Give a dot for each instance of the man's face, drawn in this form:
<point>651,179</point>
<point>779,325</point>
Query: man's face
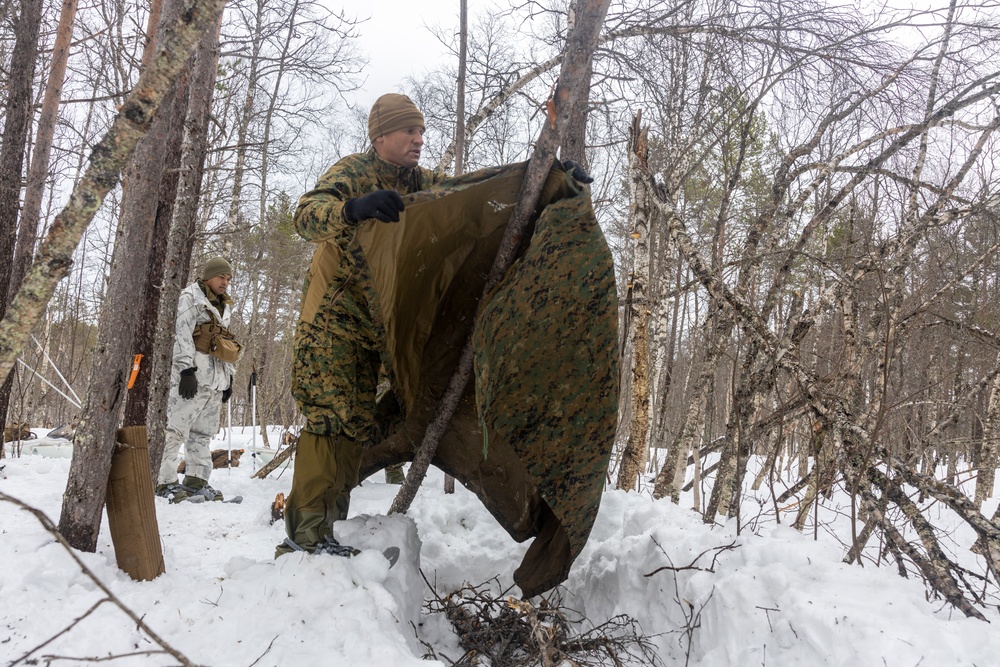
<point>401,147</point>
<point>219,284</point>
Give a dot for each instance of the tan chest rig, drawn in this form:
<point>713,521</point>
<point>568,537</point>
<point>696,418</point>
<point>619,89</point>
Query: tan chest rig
<point>215,340</point>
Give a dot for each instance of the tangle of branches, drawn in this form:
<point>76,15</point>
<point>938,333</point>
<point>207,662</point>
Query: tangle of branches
<point>503,631</point>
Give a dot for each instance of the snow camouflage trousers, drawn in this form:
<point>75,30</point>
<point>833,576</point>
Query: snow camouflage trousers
<point>191,422</point>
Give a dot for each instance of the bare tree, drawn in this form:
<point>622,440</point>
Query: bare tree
<point>84,499</point>
<point>17,124</point>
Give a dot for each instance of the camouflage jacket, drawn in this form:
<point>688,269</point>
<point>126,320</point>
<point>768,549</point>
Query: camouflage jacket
<point>194,308</point>
<point>333,301</point>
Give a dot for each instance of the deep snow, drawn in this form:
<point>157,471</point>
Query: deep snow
<point>775,596</point>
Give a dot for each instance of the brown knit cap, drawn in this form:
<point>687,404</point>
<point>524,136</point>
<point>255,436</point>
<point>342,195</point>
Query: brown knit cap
<point>393,112</point>
<point>217,266</point>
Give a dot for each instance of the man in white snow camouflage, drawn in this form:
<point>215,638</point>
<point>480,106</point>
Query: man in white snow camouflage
<point>201,380</point>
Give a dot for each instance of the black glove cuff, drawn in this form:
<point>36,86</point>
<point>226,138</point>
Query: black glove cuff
<point>349,213</point>
<point>189,371</point>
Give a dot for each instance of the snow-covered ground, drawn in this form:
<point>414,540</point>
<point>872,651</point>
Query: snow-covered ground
<point>768,596</point>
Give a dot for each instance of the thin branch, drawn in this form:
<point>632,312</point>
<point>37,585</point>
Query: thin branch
<point>51,528</point>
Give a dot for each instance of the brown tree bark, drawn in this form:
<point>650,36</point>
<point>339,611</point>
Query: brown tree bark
<point>16,128</point>
<point>177,256</point>
<point>121,312</point>
<point>85,491</point>
<point>157,219</point>
<point>38,168</point>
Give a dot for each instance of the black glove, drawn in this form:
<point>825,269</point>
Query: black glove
<point>384,205</point>
<point>188,386</point>
<point>227,392</point>
<point>577,172</point>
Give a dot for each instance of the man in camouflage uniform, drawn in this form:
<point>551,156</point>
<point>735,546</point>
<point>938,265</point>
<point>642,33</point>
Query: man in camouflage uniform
<point>335,370</point>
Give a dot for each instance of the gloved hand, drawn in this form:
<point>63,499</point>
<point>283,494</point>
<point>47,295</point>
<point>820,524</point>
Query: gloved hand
<point>227,393</point>
<point>577,172</point>
<point>384,205</point>
<point>188,386</point>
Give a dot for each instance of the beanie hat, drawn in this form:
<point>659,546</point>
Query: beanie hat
<point>216,266</point>
<point>393,112</point>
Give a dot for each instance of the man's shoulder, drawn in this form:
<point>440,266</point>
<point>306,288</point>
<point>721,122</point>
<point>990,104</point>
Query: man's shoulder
<point>194,288</point>
<point>195,293</point>
<point>348,168</point>
<point>356,161</point>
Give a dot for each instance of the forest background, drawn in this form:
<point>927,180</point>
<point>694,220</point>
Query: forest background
<point>800,196</point>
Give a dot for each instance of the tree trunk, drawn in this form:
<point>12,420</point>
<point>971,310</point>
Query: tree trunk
<point>637,445</point>
<point>272,103</point>
<point>177,258</point>
<point>234,220</point>
<point>16,128</point>
<point>137,398</point>
<point>986,473</point>
<point>670,478</point>
<point>83,500</point>
<point>574,144</point>
<point>463,47</point>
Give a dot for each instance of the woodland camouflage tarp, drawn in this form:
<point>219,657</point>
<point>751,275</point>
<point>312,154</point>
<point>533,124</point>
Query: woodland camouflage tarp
<point>532,435</point>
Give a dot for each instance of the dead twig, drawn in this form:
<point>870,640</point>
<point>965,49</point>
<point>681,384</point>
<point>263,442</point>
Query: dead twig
<point>693,565</point>
<point>109,596</point>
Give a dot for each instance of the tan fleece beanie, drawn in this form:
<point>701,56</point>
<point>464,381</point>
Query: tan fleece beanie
<point>216,266</point>
<point>393,112</point>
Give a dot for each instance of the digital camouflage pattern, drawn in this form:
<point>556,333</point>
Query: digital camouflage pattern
<point>336,360</point>
<point>532,436</point>
<point>546,346</point>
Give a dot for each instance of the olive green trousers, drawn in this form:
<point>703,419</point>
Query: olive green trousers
<point>325,473</point>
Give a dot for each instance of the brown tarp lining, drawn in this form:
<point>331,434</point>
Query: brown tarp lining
<point>546,355</point>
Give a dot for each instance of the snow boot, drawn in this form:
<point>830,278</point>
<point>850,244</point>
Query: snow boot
<point>331,546</point>
<point>197,487</point>
<point>173,492</point>
<point>328,545</point>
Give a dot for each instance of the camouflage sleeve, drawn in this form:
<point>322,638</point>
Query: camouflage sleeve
<point>430,178</point>
<point>187,320</point>
<point>320,213</point>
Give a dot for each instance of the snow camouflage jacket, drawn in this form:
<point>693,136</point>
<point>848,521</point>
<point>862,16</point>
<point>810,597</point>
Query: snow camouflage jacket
<point>193,307</point>
<point>532,436</point>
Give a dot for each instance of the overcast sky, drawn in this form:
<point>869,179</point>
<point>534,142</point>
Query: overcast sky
<point>397,41</point>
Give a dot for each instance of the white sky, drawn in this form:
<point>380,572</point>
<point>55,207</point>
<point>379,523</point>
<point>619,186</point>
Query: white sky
<point>397,42</point>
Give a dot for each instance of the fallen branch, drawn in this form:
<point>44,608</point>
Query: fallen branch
<point>716,551</point>
<point>278,459</point>
<point>109,596</point>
